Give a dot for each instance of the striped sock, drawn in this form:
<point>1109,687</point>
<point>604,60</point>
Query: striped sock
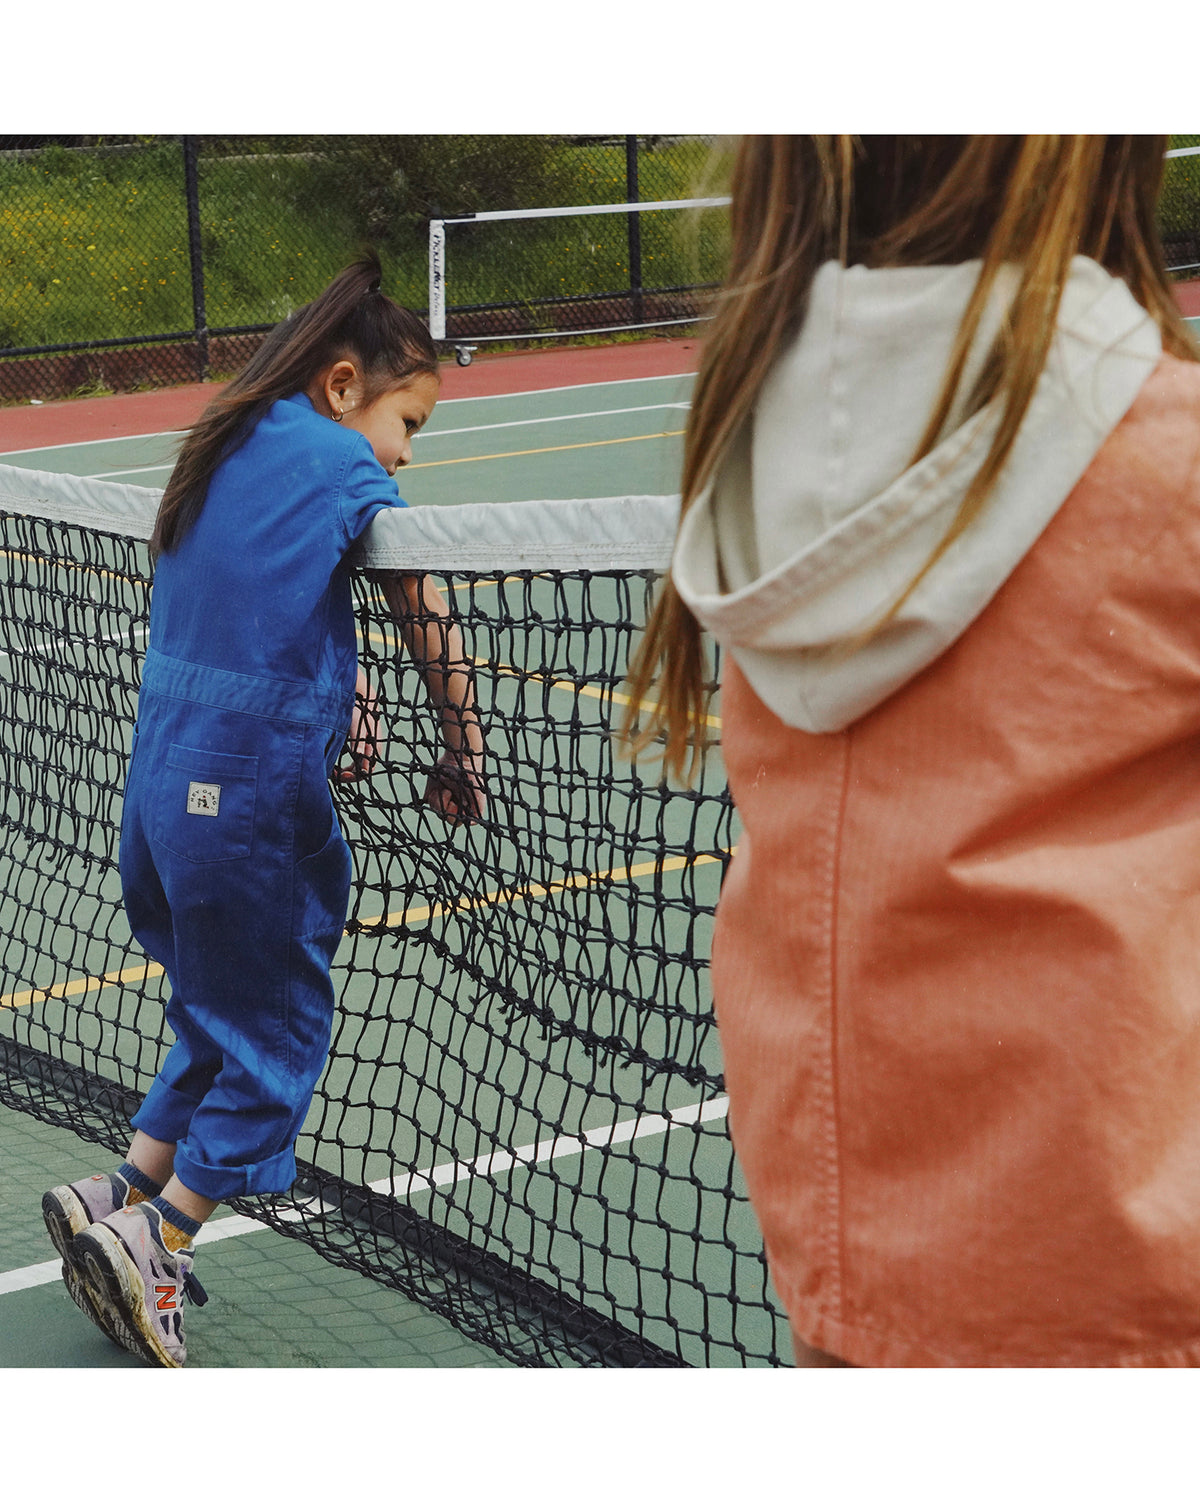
<point>141,1187</point>
<point>178,1231</point>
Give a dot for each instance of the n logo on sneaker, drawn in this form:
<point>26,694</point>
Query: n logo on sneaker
<point>167,1296</point>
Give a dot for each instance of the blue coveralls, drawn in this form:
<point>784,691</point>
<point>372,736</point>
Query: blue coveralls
<point>235,873</point>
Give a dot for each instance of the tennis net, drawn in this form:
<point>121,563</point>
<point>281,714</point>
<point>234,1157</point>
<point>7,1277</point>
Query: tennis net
<point>522,1122</point>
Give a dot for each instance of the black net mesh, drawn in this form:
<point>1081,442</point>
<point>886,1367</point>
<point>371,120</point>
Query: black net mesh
<point>522,1121</point>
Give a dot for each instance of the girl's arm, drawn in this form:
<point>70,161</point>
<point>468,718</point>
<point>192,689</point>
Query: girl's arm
<point>434,641</point>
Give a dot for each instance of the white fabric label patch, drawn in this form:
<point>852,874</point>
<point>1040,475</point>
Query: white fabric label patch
<point>203,798</point>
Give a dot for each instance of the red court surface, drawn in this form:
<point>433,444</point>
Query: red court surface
<point>1187,294</point>
<point>92,418</point>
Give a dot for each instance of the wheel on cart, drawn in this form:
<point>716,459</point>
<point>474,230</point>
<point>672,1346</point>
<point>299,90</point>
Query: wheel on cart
<point>463,356</point>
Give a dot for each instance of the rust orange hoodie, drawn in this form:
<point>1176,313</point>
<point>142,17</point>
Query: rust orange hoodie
<point>957,956</point>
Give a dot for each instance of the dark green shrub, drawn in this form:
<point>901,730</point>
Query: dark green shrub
<point>388,180</point>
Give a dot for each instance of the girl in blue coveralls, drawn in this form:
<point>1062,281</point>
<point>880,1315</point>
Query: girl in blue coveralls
<point>235,873</point>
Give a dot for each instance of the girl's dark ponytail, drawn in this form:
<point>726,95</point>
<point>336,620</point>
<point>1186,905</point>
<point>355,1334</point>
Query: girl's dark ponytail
<point>352,319</point>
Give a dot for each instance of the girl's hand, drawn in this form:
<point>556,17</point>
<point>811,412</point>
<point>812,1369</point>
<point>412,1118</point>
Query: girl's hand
<point>363,742</point>
<point>455,790</point>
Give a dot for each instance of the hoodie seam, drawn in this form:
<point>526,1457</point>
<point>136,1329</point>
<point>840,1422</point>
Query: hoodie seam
<point>839,416</point>
<point>831,1123</point>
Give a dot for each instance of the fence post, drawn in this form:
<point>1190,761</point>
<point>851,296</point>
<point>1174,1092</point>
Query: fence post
<point>635,226</point>
<point>191,180</point>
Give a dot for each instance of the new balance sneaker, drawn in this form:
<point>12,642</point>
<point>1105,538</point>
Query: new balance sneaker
<point>140,1286</point>
<point>68,1211</point>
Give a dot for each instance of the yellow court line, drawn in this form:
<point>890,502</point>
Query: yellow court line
<point>72,987</point>
<point>606,695</point>
<point>410,915</point>
<point>712,720</point>
<point>479,458</point>
<point>74,565</point>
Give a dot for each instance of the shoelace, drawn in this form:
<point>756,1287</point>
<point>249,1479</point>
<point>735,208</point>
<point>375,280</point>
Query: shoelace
<point>192,1289</point>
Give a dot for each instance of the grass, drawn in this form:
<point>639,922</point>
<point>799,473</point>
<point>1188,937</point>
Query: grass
<point>88,253</point>
<point>1179,201</point>
<point>95,246</point>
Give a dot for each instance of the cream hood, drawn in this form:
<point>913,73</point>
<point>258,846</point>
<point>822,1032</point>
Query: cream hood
<point>817,522</point>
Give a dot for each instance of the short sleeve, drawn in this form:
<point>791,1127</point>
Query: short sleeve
<point>364,492</point>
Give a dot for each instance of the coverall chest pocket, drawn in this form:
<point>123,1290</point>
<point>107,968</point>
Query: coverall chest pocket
<point>204,804</point>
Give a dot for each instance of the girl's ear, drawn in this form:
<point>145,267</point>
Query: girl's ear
<point>342,387</point>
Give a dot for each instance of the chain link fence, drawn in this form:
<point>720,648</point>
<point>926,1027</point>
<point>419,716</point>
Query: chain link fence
<point>129,262</point>
<point>1179,207</point>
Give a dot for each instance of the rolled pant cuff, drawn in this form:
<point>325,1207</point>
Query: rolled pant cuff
<point>275,1175</point>
<point>165,1114</point>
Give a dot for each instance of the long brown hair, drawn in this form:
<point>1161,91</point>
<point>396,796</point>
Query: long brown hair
<point>798,201</point>
<point>350,319</point>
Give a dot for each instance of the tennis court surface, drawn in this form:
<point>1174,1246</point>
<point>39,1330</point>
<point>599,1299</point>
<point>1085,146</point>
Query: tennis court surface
<point>521,1137</point>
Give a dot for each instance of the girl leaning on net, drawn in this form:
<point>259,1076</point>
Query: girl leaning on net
<point>941,507</point>
<point>234,871</point>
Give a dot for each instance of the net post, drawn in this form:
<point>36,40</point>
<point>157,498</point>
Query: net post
<point>191,179</point>
<point>437,279</point>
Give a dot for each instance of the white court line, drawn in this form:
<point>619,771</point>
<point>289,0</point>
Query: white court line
<point>497,1162</point>
<point>571,416</point>
<point>492,1165</point>
<point>134,437</point>
<point>27,1276</point>
<point>554,389</point>
<point>128,437</point>
<point>145,469</point>
<point>51,645</point>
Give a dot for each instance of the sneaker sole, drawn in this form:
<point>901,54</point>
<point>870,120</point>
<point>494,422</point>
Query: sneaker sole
<point>111,1278</point>
<point>64,1218</point>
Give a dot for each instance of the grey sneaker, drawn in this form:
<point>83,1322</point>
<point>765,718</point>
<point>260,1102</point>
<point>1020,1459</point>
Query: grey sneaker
<point>136,1281</point>
<point>68,1211</point>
